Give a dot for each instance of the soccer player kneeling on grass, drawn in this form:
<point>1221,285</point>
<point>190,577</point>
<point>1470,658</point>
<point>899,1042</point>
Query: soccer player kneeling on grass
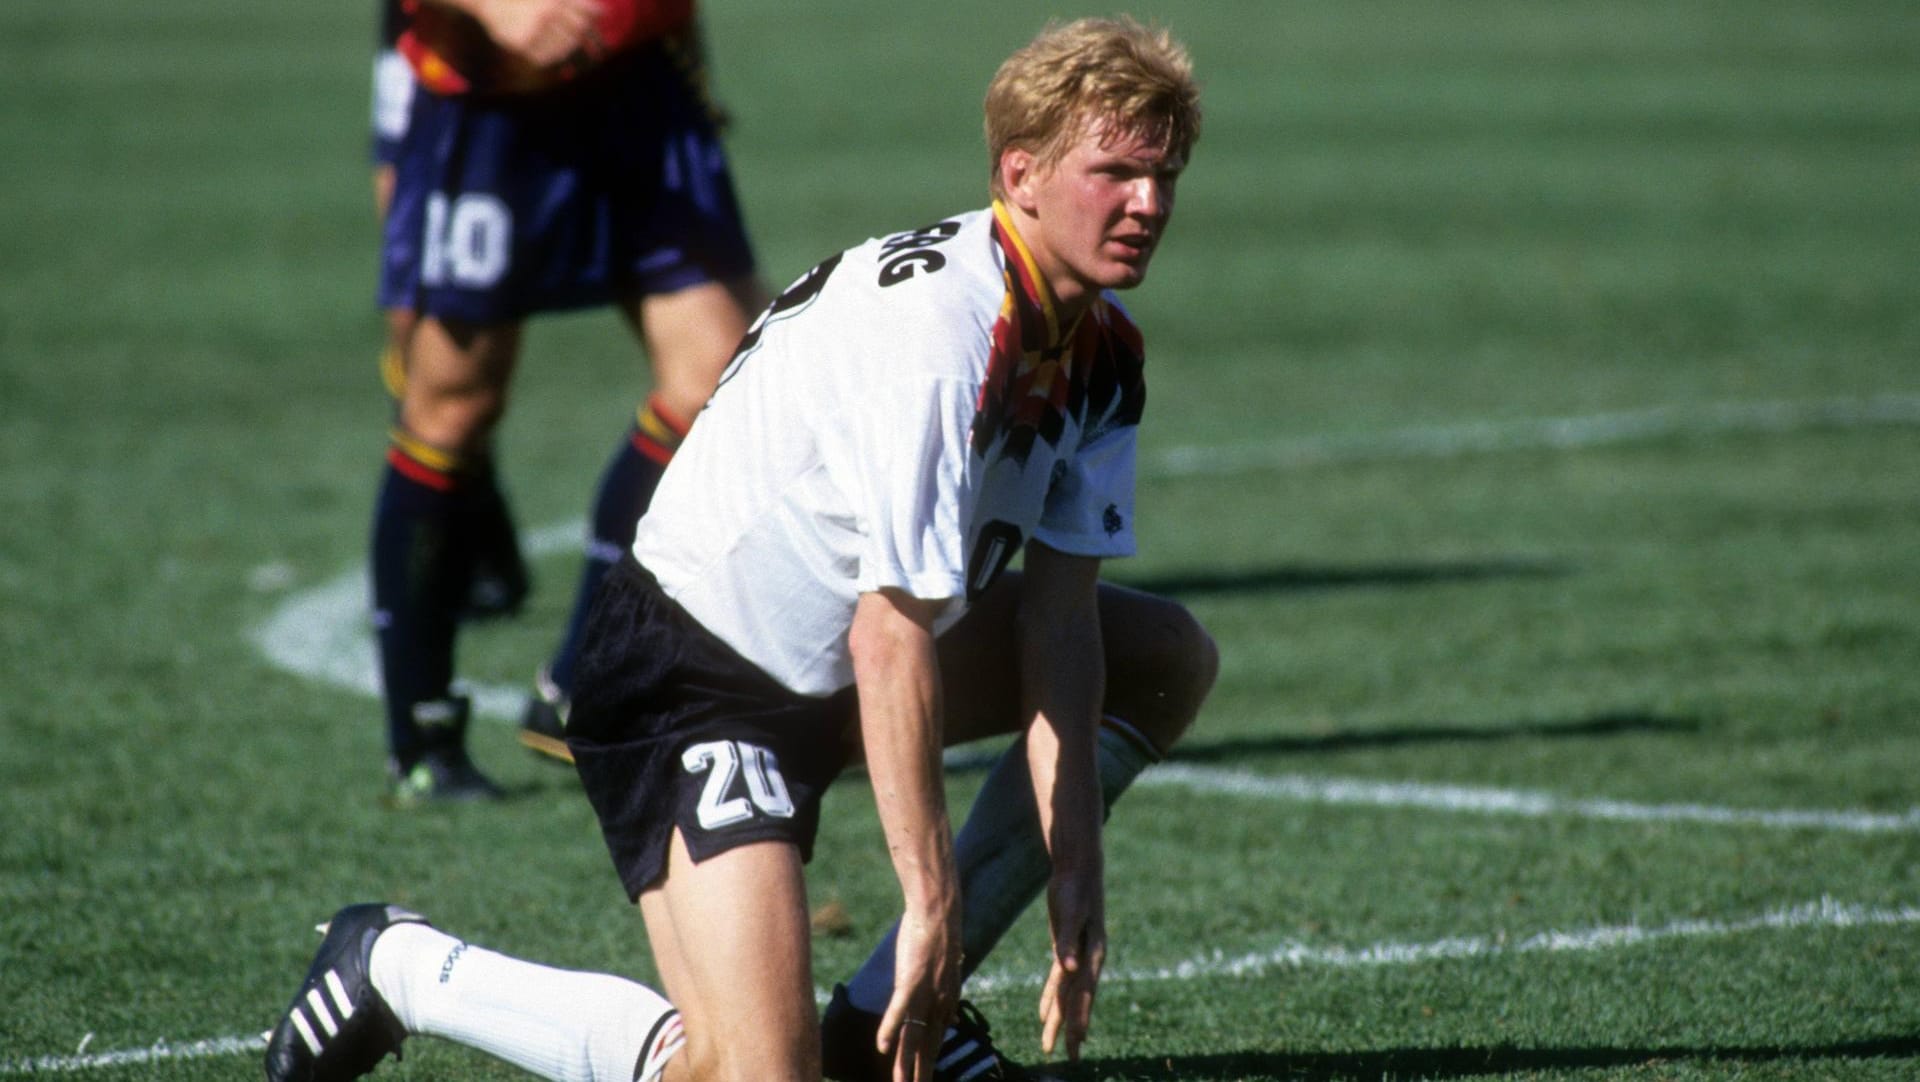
<point>823,575</point>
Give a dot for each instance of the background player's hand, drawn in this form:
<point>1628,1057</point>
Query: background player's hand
<point>541,32</point>
<point>926,991</point>
<point>1076,918</point>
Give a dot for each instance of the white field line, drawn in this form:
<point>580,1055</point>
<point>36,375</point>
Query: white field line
<point>322,633</point>
<point>1826,913</point>
<point>1304,789</point>
<point>1288,954</point>
<point>156,1052</point>
<point>1549,433</point>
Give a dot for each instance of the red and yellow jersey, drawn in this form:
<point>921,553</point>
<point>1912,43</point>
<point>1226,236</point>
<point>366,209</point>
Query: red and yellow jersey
<point>451,53</point>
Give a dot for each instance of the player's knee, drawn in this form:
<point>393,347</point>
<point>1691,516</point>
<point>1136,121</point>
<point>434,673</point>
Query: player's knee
<point>1192,664</point>
<point>1159,684</point>
<point>748,1054</point>
<point>462,423</point>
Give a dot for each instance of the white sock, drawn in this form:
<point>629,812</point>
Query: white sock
<point>560,1024</point>
<point>1001,857</point>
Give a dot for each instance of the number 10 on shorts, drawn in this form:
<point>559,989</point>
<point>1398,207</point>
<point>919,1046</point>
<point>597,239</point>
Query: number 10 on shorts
<point>725,760</point>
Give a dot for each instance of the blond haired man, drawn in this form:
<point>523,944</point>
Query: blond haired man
<point>824,575</point>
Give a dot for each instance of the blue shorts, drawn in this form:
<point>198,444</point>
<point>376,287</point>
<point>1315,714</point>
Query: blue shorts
<point>608,188</point>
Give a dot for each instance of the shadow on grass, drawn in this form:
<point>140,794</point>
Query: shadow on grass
<point>1439,1063</point>
<point>1301,579</point>
<point>1201,751</point>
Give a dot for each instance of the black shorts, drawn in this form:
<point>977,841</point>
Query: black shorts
<point>671,728</point>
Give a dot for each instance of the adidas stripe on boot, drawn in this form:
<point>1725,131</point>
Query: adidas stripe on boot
<point>338,1028</point>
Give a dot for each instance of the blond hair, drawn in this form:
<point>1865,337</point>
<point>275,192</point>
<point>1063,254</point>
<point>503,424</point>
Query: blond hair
<point>1134,80</point>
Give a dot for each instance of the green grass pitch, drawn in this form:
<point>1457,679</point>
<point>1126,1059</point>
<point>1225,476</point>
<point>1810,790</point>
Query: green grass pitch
<point>1535,421</point>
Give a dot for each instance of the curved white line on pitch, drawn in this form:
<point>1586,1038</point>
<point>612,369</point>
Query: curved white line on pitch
<point>1288,954</point>
<point>323,634</point>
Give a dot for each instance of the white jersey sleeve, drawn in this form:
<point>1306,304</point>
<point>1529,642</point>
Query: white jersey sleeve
<point>1089,510</point>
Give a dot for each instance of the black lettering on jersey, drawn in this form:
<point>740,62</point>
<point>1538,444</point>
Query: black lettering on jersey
<point>992,553</point>
<point>907,254</point>
<point>788,304</point>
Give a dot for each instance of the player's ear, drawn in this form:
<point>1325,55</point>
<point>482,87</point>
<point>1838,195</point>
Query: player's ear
<point>1018,169</point>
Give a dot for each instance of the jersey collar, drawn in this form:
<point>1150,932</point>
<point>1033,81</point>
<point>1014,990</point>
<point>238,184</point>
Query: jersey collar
<point>1030,286</point>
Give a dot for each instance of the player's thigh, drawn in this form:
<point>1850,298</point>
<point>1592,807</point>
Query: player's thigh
<point>731,940</point>
<point>456,380</point>
<point>690,335</point>
<point>1159,662</point>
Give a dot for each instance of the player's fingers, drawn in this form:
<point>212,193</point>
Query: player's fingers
<point>914,1060</point>
<point>1051,1013</point>
<point>1081,986</point>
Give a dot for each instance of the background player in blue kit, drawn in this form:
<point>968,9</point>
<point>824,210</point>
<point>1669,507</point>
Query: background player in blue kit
<point>824,573</point>
<point>557,154</point>
<point>499,580</point>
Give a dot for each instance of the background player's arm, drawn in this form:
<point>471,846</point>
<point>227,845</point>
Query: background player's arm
<point>542,32</point>
<point>898,678</point>
<point>1063,680</point>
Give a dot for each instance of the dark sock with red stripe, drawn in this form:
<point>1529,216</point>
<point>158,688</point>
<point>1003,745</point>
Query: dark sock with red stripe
<point>500,579</point>
<point>420,572</point>
<point>626,488</point>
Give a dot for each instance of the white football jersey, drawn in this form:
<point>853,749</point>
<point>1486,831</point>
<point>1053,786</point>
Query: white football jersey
<point>908,414</point>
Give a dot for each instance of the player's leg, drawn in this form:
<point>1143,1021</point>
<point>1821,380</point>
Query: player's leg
<point>690,334</point>
<point>455,392</point>
<point>500,579</point>
<point>684,748</point>
<point>1160,665</point>
<point>731,940</point>
<point>383,974</point>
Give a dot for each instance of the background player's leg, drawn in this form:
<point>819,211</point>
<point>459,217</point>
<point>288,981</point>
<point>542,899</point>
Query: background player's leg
<point>500,580</point>
<point>454,395</point>
<point>690,334</point>
<point>731,940</point>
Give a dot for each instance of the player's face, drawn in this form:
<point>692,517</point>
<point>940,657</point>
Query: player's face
<point>1098,213</point>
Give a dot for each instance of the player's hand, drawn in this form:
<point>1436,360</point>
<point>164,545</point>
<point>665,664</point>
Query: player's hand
<point>1076,918</point>
<point>926,991</point>
<point>542,32</point>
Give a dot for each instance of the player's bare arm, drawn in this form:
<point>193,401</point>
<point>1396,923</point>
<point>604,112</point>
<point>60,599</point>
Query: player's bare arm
<point>1063,677</point>
<point>898,680</point>
<point>542,32</point>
